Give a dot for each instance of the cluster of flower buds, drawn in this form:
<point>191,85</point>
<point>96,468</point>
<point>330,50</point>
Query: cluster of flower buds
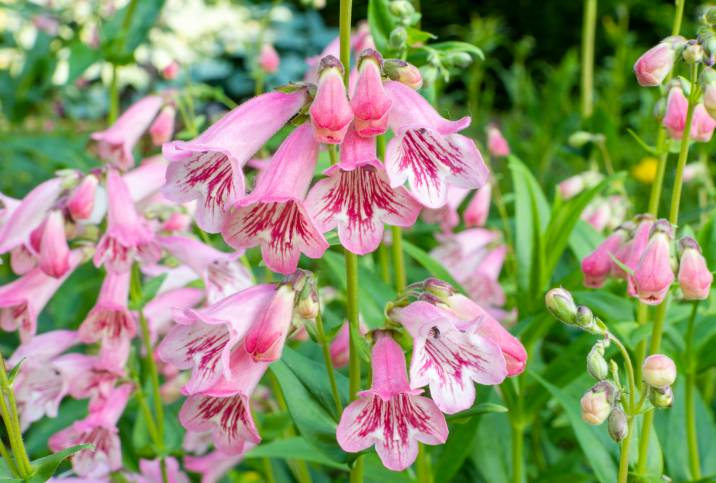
<point>643,253</point>
<point>602,403</point>
<point>561,304</point>
<point>659,373</point>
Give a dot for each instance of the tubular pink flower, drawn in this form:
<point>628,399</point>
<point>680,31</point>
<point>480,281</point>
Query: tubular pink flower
<point>427,151</point>
<point>204,339</point>
<point>128,235</point>
<point>224,408</point>
<point>447,216</point>
<point>146,180</point>
<point>390,415</point>
<point>357,198</point>
<point>114,145</point>
<point>110,322</point>
<point>478,209</point>
<point>81,202</point>
<point>223,273</point>
<point>208,168</point>
<point>269,60</point>
<point>702,126</point>
<point>598,265</point>
<point>162,128</point>
<point>151,472</point>
<point>496,143</point>
<point>274,214</point>
<point>22,260</point>
<point>485,325</point>
<point>100,430</point>
<point>331,112</point>
<point>369,102</point>
<point>161,309</point>
<point>212,466</point>
<point>54,251</point>
<point>340,347</point>
<point>22,300</point>
<point>654,274</point>
<point>655,64</point>
<point>265,339</point>
<point>29,214</point>
<point>449,359</point>
<point>675,117</point>
<point>695,278</point>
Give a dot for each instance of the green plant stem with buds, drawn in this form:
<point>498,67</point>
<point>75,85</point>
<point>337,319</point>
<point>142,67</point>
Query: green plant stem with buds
<point>631,410</point>
<point>691,436</point>
<point>328,361</point>
<point>113,87</point>
<point>588,31</point>
<point>661,310</point>
<point>8,410</point>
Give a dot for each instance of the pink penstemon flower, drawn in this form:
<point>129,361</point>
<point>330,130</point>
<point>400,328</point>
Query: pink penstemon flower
<point>478,209</point>
<point>496,143</point>
<point>22,260</point>
<point>390,415</point>
<point>204,339</point>
<point>655,64</point>
<point>598,265</point>
<point>208,168</point>
<point>224,408</point>
<point>274,215</point>
<point>22,300</point>
<point>447,358</point>
<point>654,273</point>
<point>695,278</point>
<point>427,151</point>
<point>447,215</point>
<point>369,102</point>
<point>54,251</point>
<point>162,128</point>
<point>161,309</point>
<point>128,235</point>
<point>114,145</point>
<point>223,273</point>
<point>340,346</point>
<point>99,428</point>
<point>268,60</point>
<point>213,466</point>
<point>330,111</point>
<point>150,471</point>
<point>265,339</point>
<point>110,322</point>
<point>357,198</point>
<point>81,202</point>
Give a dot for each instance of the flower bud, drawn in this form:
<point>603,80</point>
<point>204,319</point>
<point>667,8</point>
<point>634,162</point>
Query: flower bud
<point>596,364</point>
<point>654,273</point>
<point>693,53</point>
<point>596,405</point>
<point>579,139</point>
<point>656,63</point>
<point>307,306</point>
<point>439,288</point>
<point>459,59</point>
<point>658,370</point>
<point>584,317</point>
<point>661,397</point>
<point>162,128</point>
<point>561,304</point>
<point>268,59</point>
<point>330,112</point>
<point>403,72</point>
<point>54,251</point>
<point>265,339</point>
<point>398,38</point>
<point>402,8</point>
<point>370,103</point>
<point>171,71</point>
<point>598,265</point>
<point>80,204</point>
<point>617,425</point>
<point>710,16</point>
<point>695,278</point>
<point>496,143</point>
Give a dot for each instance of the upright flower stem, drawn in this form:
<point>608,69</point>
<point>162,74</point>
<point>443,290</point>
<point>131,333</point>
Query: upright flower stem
<point>8,409</point>
<point>660,314</point>
<point>329,363</point>
<point>8,459</point>
<point>398,259</point>
<point>631,410</point>
<point>691,436</point>
<point>113,87</point>
<point>588,32</point>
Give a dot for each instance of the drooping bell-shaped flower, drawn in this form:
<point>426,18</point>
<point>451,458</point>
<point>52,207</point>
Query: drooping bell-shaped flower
<point>224,408</point>
<point>269,60</point>
<point>655,64</point>
<point>146,180</point>
<point>630,252</point>
<point>81,201</point>
<point>274,215</point>
<point>29,214</point>
<point>265,339</point>
<point>204,339</point>
<point>110,322</point>
<point>114,145</point>
<point>482,281</point>
<point>160,311</point>
<point>128,234</point>
<point>598,265</point>
<point>151,471</point>
<point>403,72</point>
<point>447,358</point>
<point>162,128</point>
<point>223,273</point>
<point>340,346</point>
<point>496,143</point>
<point>331,112</point>
<point>695,278</point>
<point>22,260</point>
<point>447,215</point>
<point>390,415</point>
<point>427,151</point>
<point>357,198</point>
<point>369,102</point>
<point>654,273</point>
<point>22,300</point>
<point>478,209</point>
<point>99,429</point>
<point>54,251</point>
<point>208,168</point>
<point>703,125</point>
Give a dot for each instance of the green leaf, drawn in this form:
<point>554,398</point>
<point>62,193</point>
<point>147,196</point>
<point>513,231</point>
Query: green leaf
<point>454,46</point>
<point>46,467</point>
<point>479,409</point>
<point>584,239</point>
<point>118,44</point>
<point>81,57</point>
<point>435,268</point>
<point>595,453</point>
<point>381,23</point>
<point>296,448</point>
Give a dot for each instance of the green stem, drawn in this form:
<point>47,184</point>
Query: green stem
<point>630,372</point>
<point>344,28</point>
<point>383,261</point>
<point>351,260</point>
<point>518,438</point>
<point>658,183</point>
<point>154,378</point>
<point>588,31</point>
<point>113,97</point>
<point>8,459</point>
<point>12,423</point>
<point>146,412</point>
<point>642,317</point>
<point>691,435</point>
<point>624,453</point>
<point>423,465</point>
<point>678,16</point>
<point>329,362</point>
<point>398,259</point>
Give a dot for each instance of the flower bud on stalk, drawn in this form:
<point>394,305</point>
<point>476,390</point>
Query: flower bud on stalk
<point>586,320</point>
<point>661,397</point>
<point>655,64</point>
<point>617,425</point>
<point>561,304</point>
<point>439,288</point>
<point>658,370</point>
<point>403,72</point>
<point>596,364</point>
<point>694,276</point>
<point>398,38</point>
<point>597,403</point>
<point>693,53</point>
<point>307,306</point>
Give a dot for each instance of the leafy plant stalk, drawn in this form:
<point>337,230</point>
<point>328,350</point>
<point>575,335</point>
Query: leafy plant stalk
<point>588,32</point>
<point>691,435</point>
<point>8,409</point>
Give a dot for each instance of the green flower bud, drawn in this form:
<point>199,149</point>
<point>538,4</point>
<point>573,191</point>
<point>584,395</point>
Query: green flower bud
<point>596,404</point>
<point>661,397</point>
<point>439,288</point>
<point>579,139</point>
<point>459,59</point>
<point>561,304</point>
<point>402,8</point>
<point>597,366</point>
<point>693,53</point>
<point>617,425</point>
<point>398,38</point>
<point>710,16</point>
